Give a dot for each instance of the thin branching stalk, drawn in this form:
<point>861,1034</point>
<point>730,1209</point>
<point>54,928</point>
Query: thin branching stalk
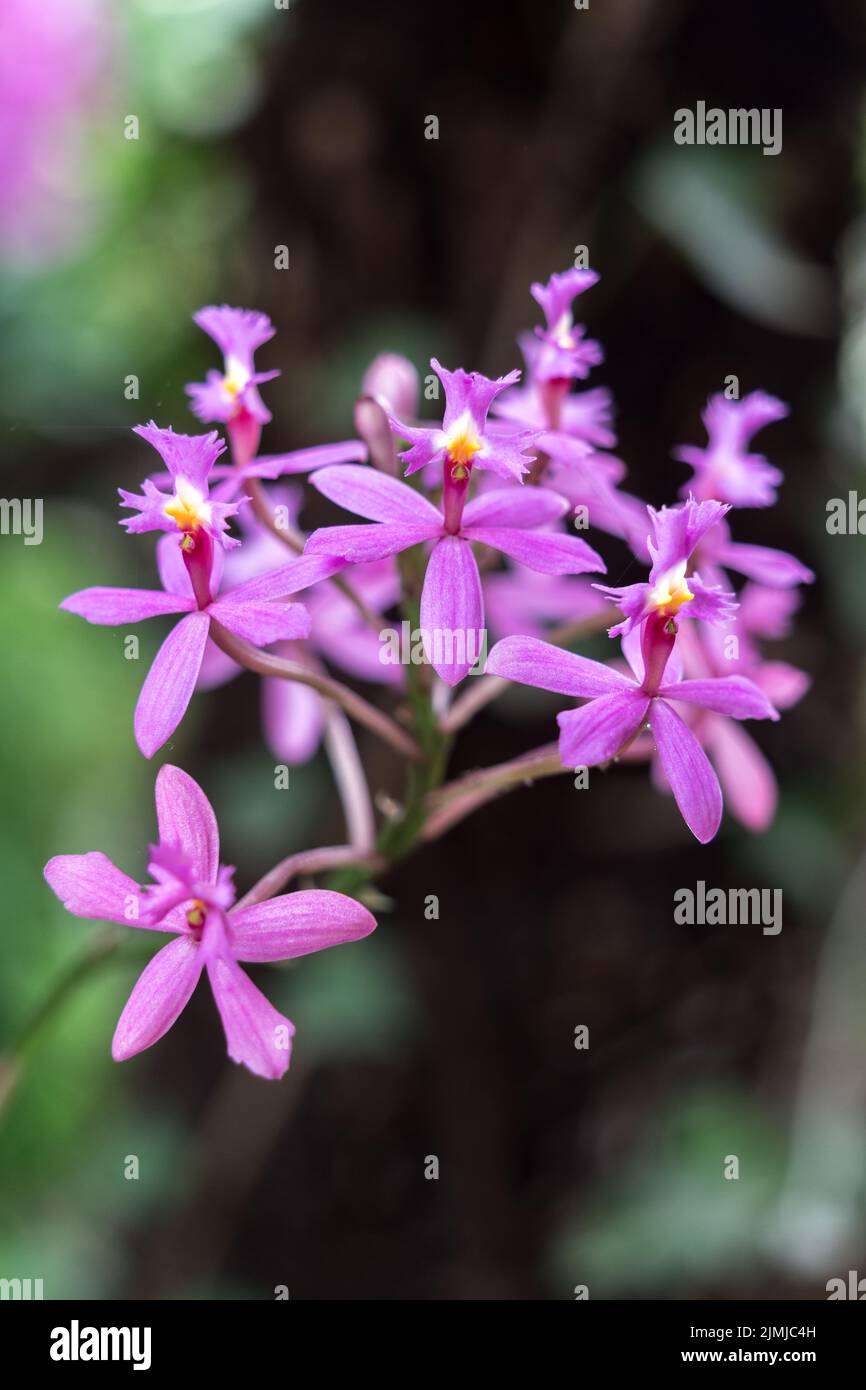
<point>267,664</point>
<point>350,779</point>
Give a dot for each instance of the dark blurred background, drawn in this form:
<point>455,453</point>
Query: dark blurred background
<point>558,1167</point>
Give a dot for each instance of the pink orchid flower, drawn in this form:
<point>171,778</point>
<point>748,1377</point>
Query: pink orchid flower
<point>253,611</point>
<point>225,395</point>
<point>192,898</point>
<point>725,470</point>
<point>619,706</point>
<point>565,353</point>
<point>451,598</point>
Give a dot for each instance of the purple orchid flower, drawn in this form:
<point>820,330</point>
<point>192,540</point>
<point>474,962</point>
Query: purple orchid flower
<point>252,611</point>
<point>463,440</point>
<point>190,510</point>
<point>725,470</point>
<point>452,606</point>
<point>619,706</point>
<point>225,395</point>
<point>676,533</point>
<point>192,897</point>
<point>572,429</point>
<point>565,353</point>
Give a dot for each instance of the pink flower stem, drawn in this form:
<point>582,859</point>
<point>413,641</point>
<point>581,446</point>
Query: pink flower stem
<point>456,800</point>
<point>266,664</point>
<point>310,861</point>
<point>349,776</point>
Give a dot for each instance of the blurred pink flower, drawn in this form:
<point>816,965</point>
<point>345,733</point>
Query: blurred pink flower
<point>53,80</point>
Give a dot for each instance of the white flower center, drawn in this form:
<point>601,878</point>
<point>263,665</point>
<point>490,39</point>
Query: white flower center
<point>671,591</point>
<point>188,507</point>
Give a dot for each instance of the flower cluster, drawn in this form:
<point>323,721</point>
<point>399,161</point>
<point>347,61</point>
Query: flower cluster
<point>477,529</point>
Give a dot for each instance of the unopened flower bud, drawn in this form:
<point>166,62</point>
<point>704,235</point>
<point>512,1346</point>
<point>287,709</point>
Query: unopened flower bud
<point>393,381</point>
<point>371,422</point>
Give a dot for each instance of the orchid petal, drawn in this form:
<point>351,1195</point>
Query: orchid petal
<point>530,661</point>
<point>273,466</point>
<point>257,1036</point>
<point>262,623</point>
<point>161,993</point>
<point>736,696</point>
<point>452,610</point>
<point>750,788</point>
<point>292,719</point>
<point>295,924</point>
<point>108,607</point>
<point>687,769</point>
<point>776,568</point>
<point>288,579</point>
<point>544,551</point>
<point>596,732</point>
<point>512,506</point>
<point>374,495</point>
<point>187,822</point>
<point>170,682</point>
<point>363,543</point>
<point>89,885</point>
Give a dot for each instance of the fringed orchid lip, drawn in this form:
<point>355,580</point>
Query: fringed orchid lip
<point>563,333</point>
<point>673,584</point>
<point>237,378</point>
<point>464,438</point>
<point>462,442</point>
<point>189,509</point>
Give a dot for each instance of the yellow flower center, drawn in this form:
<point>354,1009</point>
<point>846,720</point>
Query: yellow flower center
<point>196,913</point>
<point>462,442</point>
<point>671,591</point>
<point>235,379</point>
<point>188,508</point>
